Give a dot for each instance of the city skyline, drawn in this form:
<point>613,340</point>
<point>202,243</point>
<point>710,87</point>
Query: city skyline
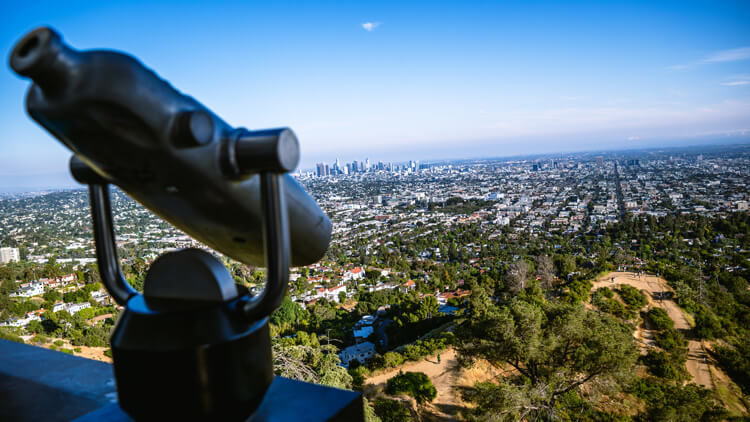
<point>420,81</point>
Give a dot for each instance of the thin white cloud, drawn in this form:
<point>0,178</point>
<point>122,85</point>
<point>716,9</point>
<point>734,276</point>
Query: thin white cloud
<point>736,83</point>
<point>723,56</point>
<point>634,138</point>
<point>370,26</point>
<point>679,67</point>
<point>732,55</point>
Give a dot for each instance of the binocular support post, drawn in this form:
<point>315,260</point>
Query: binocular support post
<point>106,247</point>
<point>192,346</point>
<point>275,235</point>
<point>276,239</point>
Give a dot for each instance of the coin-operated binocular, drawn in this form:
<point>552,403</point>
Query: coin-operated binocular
<point>194,345</point>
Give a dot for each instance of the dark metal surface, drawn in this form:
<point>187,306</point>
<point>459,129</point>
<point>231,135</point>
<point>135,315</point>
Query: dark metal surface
<point>200,363</point>
<point>106,248</point>
<point>39,384</point>
<point>42,385</point>
<point>189,274</point>
<point>276,237</point>
<point>165,149</point>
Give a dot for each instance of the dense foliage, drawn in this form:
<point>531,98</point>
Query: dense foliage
<point>554,349</point>
<point>415,384</point>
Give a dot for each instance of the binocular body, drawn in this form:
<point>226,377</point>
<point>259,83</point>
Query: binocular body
<point>165,149</point>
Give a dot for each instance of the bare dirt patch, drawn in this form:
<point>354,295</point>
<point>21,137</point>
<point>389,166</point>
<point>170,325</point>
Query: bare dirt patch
<point>698,361</point>
<point>447,376</point>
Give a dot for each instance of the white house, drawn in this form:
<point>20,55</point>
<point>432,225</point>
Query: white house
<point>21,322</point>
<point>32,289</point>
<point>360,352</point>
<point>72,308</point>
<point>331,294</point>
<point>354,274</point>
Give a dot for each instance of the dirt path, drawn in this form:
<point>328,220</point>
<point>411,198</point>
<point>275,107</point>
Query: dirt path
<point>447,377</point>
<point>697,362</point>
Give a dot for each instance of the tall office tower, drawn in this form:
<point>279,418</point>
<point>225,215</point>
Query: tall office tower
<point>9,255</point>
<point>367,164</point>
<point>599,161</point>
<point>321,169</point>
<point>355,167</point>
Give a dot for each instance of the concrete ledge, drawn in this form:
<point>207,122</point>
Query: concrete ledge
<point>41,384</point>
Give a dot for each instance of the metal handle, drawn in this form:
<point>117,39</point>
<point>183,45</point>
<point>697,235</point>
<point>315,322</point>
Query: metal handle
<point>106,248</point>
<point>277,250</point>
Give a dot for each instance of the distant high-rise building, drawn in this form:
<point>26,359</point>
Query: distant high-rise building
<point>599,161</point>
<point>320,169</point>
<point>9,255</point>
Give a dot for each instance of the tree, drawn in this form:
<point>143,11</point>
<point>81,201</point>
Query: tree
<point>310,362</point>
<point>556,349</point>
<point>427,308</point>
<point>52,295</point>
<point>545,270</point>
<point>288,315</point>
<point>518,274</point>
<point>392,411</point>
<point>565,264</point>
<point>415,384</point>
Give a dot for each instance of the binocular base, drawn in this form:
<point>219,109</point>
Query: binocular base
<point>195,364</point>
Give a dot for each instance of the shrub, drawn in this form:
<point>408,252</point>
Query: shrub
<point>415,384</point>
<point>40,339</point>
<point>392,411</point>
<point>670,340</point>
<point>10,336</point>
<point>414,352</point>
<point>669,402</point>
<point>632,296</point>
<point>735,361</point>
<point>358,376</point>
<point>393,359</point>
<point>706,324</point>
<point>64,350</point>
<point>601,300</point>
<point>77,350</point>
<point>578,291</point>
<point>59,343</point>
<point>606,292</point>
<point>664,365</point>
<point>659,319</point>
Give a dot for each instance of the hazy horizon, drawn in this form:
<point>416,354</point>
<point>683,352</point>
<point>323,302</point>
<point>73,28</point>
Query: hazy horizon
<point>391,81</point>
<point>63,180</point>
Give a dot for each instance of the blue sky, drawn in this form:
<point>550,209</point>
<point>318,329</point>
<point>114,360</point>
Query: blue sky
<point>423,80</point>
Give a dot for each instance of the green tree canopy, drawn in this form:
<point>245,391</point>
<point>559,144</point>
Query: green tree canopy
<point>555,348</point>
<point>415,384</point>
